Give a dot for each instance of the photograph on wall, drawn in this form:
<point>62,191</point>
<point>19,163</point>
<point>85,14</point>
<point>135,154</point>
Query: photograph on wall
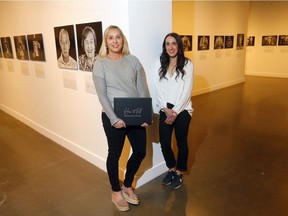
<point>269,40</point>
<point>187,42</point>
<point>240,42</point>
<point>65,47</point>
<point>89,39</point>
<point>203,42</point>
<point>229,42</point>
<point>1,56</point>
<point>7,47</point>
<point>283,40</point>
<point>219,42</point>
<point>21,47</point>
<point>251,41</point>
<point>36,47</point>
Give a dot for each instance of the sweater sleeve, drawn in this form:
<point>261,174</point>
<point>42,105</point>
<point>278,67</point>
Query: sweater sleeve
<point>101,89</point>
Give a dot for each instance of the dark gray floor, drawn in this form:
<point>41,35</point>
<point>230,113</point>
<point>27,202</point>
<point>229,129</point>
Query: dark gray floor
<point>238,159</point>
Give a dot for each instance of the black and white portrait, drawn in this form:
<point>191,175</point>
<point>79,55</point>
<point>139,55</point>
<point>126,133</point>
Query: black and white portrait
<point>283,40</point>
<point>1,55</point>
<point>187,42</point>
<point>89,39</point>
<point>251,41</point>
<point>269,40</point>
<point>65,47</point>
<point>36,47</point>
<point>240,41</point>
<point>218,42</point>
<point>203,42</point>
<point>21,47</point>
<point>7,47</point>
<point>229,41</point>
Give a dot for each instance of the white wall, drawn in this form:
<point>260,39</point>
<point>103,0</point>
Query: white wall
<point>267,18</point>
<point>72,117</point>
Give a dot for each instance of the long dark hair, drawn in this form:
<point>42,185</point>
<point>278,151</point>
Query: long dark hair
<point>165,58</point>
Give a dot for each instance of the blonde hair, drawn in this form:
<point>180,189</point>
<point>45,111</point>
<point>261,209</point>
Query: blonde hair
<point>103,52</point>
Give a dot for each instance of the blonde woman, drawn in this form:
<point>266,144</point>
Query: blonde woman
<point>117,73</point>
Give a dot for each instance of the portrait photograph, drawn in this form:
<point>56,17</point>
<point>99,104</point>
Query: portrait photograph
<point>36,47</point>
<point>65,47</point>
<point>219,42</point>
<point>1,55</point>
<point>7,47</point>
<point>240,42</point>
<point>187,42</point>
<point>283,40</point>
<point>229,42</point>
<point>203,42</point>
<point>269,40</point>
<point>89,39</point>
<point>21,47</point>
<point>251,41</point>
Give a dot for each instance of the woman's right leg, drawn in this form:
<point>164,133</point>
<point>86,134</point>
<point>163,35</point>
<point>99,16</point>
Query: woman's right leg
<point>165,134</point>
<point>116,139</point>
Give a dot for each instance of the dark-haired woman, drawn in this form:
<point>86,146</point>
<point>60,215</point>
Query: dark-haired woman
<point>174,92</point>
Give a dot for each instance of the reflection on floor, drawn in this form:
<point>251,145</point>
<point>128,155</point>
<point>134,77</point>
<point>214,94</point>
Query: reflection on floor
<point>238,159</point>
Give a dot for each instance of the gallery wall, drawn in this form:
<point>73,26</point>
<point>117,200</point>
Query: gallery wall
<point>267,18</point>
<point>214,68</point>
<point>62,104</point>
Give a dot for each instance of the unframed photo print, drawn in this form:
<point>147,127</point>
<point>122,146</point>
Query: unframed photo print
<point>21,47</point>
<point>65,47</point>
<point>7,47</point>
<point>187,42</point>
<point>89,39</point>
<point>36,47</point>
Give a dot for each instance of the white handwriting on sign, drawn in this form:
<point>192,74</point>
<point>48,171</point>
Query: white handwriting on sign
<point>133,112</point>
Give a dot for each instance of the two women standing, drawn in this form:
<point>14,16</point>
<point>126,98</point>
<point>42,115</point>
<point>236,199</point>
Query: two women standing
<point>117,73</point>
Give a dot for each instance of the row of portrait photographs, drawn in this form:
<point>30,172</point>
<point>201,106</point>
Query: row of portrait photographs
<point>33,50</point>
<point>220,42</point>
<point>269,40</point>
<point>89,39</point>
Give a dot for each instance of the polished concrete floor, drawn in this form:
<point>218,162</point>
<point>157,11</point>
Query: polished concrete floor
<point>238,158</point>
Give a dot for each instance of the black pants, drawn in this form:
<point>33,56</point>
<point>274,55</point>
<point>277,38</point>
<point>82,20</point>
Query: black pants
<point>116,140</point>
<point>181,126</point>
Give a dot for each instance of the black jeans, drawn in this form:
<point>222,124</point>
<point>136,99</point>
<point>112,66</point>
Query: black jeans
<point>116,140</point>
<point>181,126</point>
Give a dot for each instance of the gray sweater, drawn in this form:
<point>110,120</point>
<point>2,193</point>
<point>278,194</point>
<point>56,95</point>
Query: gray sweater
<point>120,78</point>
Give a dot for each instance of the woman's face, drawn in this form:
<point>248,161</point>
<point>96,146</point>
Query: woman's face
<point>171,46</point>
<point>89,45</point>
<point>114,41</point>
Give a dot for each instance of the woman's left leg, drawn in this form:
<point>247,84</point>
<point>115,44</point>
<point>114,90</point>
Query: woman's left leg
<point>137,139</point>
<point>181,133</point>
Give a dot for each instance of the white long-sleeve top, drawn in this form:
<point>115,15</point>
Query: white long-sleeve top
<point>176,91</point>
